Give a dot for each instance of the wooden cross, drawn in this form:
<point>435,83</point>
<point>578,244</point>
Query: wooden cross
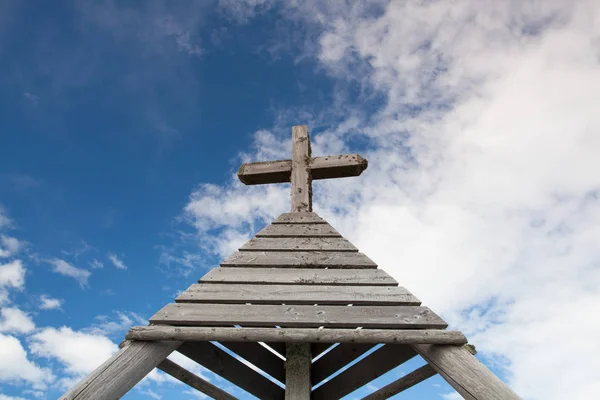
<point>301,169</point>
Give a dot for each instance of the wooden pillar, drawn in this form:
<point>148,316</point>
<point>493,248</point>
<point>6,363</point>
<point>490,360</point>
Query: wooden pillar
<point>122,371</point>
<point>297,371</point>
<point>465,373</point>
<point>300,177</point>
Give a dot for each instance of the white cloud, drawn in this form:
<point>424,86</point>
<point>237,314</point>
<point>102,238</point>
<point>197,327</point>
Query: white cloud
<point>5,222</point>
<point>15,367</point>
<point>15,321</point>
<point>64,268</point>
<point>120,324</point>
<point>117,262</point>
<point>482,173</point>
<point>80,353</point>
<point>9,246</point>
<point>5,397</point>
<point>12,275</point>
<point>49,303</point>
<point>95,264</point>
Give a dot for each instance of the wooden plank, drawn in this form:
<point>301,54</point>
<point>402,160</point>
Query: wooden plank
<point>337,358</point>
<point>298,244</point>
<point>390,317</point>
<point>406,382</point>
<point>371,367</point>
<point>194,380</point>
<point>321,338</point>
<point>297,371</point>
<point>342,166</point>
<point>221,363</point>
<point>233,293</point>
<point>259,356</point>
<point>299,218</point>
<point>259,173</point>
<point>296,276</point>
<point>298,230</point>
<point>304,259</point>
<point>300,177</point>
<point>465,373</point>
<point>279,171</point>
<point>121,372</point>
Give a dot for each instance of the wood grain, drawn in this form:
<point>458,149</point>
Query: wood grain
<point>297,371</point>
<point>369,368</point>
<point>304,259</point>
<point>390,317</point>
<point>300,177</point>
<point>298,244</point>
<point>299,276</point>
<point>221,363</point>
<point>298,230</point>
<point>232,293</point>
<point>323,338</point>
<point>299,218</point>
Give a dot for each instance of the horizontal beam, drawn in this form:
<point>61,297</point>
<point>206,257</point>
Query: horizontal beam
<point>279,171</point>
<point>194,380</point>
<point>296,335</point>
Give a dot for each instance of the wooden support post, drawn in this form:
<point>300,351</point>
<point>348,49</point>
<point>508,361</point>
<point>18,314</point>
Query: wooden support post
<point>122,371</point>
<point>301,180</point>
<point>465,373</point>
<point>194,381</point>
<point>297,371</point>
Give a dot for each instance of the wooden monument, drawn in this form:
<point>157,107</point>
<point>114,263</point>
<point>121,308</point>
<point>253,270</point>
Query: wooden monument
<point>301,290</point>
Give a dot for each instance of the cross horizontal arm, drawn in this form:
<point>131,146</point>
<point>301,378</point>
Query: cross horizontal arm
<point>341,166</point>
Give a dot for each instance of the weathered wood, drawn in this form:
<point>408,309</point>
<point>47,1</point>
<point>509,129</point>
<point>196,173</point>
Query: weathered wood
<point>371,367</point>
<point>406,382</point>
<point>121,372</point>
<point>194,380</point>
<point>304,259</point>
<point>232,293</point>
<point>298,244</point>
<point>279,171</point>
<point>465,373</point>
<point>299,218</point>
<point>342,166</point>
<point>297,371</point>
<point>300,178</point>
<point>337,358</point>
<point>259,356</point>
<point>221,363</point>
<point>298,230</point>
<point>390,317</point>
<point>299,276</point>
<point>319,337</point>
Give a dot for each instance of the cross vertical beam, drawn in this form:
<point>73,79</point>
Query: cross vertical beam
<point>301,175</point>
<point>297,371</point>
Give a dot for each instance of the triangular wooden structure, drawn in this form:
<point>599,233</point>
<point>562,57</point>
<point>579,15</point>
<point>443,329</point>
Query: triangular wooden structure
<point>299,291</point>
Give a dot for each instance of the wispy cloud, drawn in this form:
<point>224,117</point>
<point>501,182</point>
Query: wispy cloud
<point>9,246</point>
<point>49,303</point>
<point>116,261</point>
<point>12,276</point>
<point>64,268</point>
<point>95,264</point>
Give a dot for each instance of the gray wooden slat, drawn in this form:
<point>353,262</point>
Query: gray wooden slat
<point>298,244</point>
<point>299,276</point>
<point>264,172</point>
<point>465,373</point>
<point>389,317</point>
<point>300,177</point>
<point>260,357</point>
<point>297,294</point>
<point>297,371</point>
<point>371,367</point>
<point>221,363</point>
<point>299,218</point>
<point>298,230</point>
<point>337,358</point>
<point>305,259</point>
<point>185,376</point>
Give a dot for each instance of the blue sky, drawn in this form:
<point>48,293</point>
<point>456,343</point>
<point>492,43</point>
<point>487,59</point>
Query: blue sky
<point>122,125</point>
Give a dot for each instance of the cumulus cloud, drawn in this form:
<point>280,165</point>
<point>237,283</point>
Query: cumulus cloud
<point>15,321</point>
<point>482,172</point>
<point>12,275</point>
<point>64,268</point>
<point>49,303</point>
<point>16,368</point>
<point>9,246</point>
<point>116,261</point>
